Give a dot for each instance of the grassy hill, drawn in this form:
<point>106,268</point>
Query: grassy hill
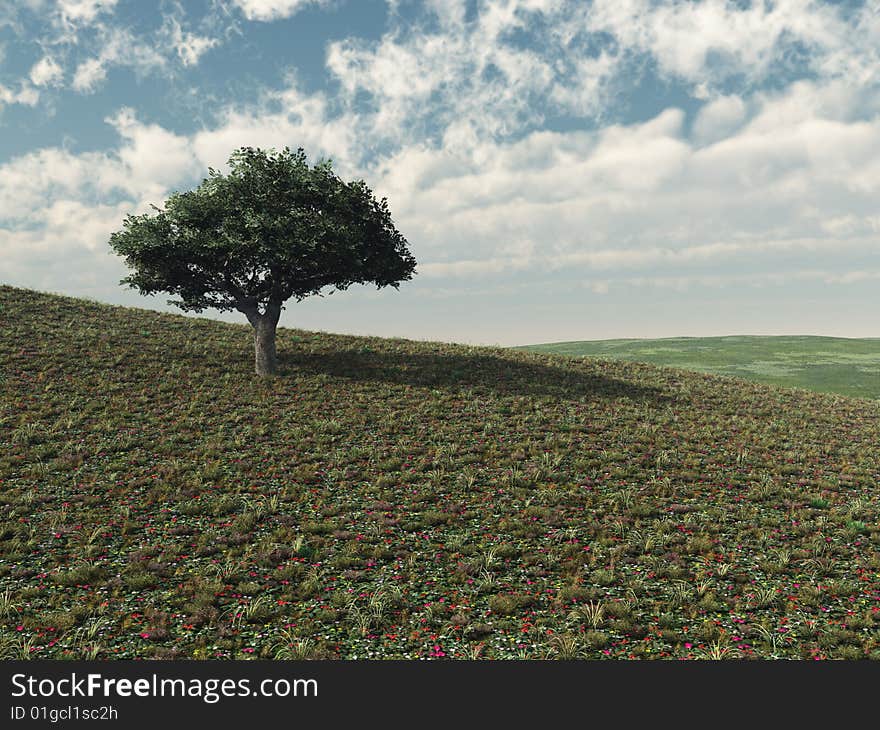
<point>386,498</point>
<point>822,364</point>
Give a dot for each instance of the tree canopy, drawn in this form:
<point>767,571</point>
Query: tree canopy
<point>273,228</point>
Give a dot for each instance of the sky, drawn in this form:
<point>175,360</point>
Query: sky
<point>562,170</point>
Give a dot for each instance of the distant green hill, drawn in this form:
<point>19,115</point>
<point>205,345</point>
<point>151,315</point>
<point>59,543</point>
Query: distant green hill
<point>822,364</point>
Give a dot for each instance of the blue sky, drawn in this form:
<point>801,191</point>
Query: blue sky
<point>562,170</point>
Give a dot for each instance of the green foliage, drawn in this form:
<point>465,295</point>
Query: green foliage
<point>384,498</point>
<point>273,228</point>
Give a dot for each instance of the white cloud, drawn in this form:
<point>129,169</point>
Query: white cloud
<point>58,208</point>
<point>188,46</point>
<point>83,12</point>
<point>787,183</point>
<point>28,184</point>
<point>81,225</point>
<point>26,95</point>
<point>585,94</point>
<point>653,258</point>
<point>191,47</point>
<point>852,277</point>
<point>472,76</point>
<point>733,280</point>
<point>450,13</point>
<point>718,118</point>
<point>90,74</point>
<point>36,188</point>
<point>710,41</point>
<point>268,10</point>
<point>303,121</point>
<point>82,35</point>
<point>479,77</point>
<point>118,48</point>
<point>46,72</point>
<point>154,158</point>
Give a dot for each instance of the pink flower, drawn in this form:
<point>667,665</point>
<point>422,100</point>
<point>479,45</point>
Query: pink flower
<point>248,650</point>
<point>145,635</point>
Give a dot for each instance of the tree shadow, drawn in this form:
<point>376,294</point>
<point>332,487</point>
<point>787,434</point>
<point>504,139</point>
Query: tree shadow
<point>468,371</point>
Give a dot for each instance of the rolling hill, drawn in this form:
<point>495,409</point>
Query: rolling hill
<point>821,364</point>
<point>394,499</point>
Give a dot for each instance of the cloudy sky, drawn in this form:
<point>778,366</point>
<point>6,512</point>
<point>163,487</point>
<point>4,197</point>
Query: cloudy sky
<point>561,170</point>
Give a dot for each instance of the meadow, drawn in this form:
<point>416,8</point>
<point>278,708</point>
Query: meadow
<point>822,364</point>
<point>385,498</point>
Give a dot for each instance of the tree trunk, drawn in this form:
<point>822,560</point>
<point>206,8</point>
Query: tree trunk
<point>266,359</point>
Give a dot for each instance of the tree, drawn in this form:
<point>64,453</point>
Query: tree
<point>272,229</point>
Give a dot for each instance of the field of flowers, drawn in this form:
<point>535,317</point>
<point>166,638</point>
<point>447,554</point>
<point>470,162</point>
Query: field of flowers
<point>394,499</point>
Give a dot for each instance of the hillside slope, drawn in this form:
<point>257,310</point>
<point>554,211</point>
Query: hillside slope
<point>838,365</point>
<point>386,498</point>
